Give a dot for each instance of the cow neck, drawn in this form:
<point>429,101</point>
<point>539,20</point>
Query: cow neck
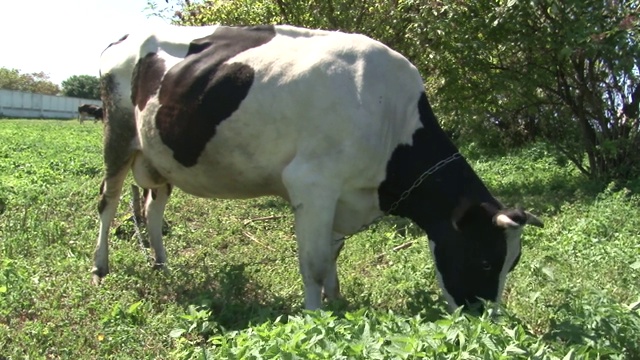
<point>432,203</point>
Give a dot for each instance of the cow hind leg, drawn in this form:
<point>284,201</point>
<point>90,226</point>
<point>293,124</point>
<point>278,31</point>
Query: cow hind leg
<point>156,199</point>
<point>155,203</point>
<point>109,198</point>
<point>314,205</point>
<point>118,156</point>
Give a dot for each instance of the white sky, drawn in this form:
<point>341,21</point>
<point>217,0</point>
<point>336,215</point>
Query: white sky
<point>65,37</point>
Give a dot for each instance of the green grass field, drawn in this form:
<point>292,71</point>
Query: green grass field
<point>234,290</point>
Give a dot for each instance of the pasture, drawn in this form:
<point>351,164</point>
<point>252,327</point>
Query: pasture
<point>234,290</point>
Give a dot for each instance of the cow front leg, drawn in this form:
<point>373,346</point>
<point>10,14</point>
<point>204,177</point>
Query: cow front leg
<point>313,219</point>
<point>109,198</point>
<point>155,204</point>
<point>314,209</point>
<point>331,284</point>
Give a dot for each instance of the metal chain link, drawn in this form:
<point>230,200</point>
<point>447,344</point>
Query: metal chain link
<point>405,194</point>
<point>439,165</point>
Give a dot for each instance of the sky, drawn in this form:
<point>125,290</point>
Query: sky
<point>65,37</point>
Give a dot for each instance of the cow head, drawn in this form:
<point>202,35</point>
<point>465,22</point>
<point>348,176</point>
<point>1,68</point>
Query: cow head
<point>476,250</point>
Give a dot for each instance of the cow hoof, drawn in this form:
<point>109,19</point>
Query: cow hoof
<point>161,267</point>
<point>98,275</point>
<point>96,280</point>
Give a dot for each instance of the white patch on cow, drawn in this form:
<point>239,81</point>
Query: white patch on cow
<point>514,245</point>
<point>451,303</point>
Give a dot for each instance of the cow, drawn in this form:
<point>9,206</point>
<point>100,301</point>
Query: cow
<point>337,124</point>
<point>86,110</point>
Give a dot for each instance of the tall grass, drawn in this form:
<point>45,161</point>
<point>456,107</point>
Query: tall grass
<point>574,294</point>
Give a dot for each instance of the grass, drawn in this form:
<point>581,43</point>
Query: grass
<point>574,295</point>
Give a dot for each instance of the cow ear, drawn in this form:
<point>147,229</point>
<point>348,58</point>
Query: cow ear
<point>533,220</point>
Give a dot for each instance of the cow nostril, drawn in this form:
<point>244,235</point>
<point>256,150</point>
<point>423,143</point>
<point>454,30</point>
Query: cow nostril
<point>485,265</point>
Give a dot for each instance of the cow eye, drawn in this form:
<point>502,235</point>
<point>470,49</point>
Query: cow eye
<point>485,265</point>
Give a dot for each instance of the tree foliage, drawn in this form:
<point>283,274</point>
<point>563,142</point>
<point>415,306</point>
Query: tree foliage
<point>564,71</point>
<point>392,22</point>
<point>82,86</point>
<point>501,72</point>
<point>37,82</point>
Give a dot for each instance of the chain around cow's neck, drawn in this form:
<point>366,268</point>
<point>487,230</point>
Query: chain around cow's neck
<point>405,194</point>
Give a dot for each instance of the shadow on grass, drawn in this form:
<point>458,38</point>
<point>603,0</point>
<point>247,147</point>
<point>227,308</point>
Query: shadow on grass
<point>235,301</point>
<point>422,302</point>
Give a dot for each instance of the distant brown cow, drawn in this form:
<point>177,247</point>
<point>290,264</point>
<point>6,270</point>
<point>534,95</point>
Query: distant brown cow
<point>86,110</point>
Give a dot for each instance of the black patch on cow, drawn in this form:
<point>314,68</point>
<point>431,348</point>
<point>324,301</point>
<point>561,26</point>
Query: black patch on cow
<point>430,144</point>
<point>146,79</point>
<point>120,128</point>
<point>201,91</point>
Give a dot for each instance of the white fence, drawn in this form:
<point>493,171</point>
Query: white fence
<point>18,104</point>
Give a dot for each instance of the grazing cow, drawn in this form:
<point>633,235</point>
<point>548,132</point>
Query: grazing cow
<point>86,110</point>
<point>337,124</point>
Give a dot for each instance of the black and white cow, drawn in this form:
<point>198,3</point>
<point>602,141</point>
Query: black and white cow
<point>86,110</point>
<point>337,124</point>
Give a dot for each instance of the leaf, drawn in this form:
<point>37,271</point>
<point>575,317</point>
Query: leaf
<point>569,355</point>
<point>461,339</point>
<point>565,52</point>
<point>3,289</point>
<point>176,333</point>
<point>489,344</point>
<point>132,309</point>
<point>548,272</point>
<point>636,265</point>
<point>452,333</point>
<point>513,349</point>
<point>511,332</point>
